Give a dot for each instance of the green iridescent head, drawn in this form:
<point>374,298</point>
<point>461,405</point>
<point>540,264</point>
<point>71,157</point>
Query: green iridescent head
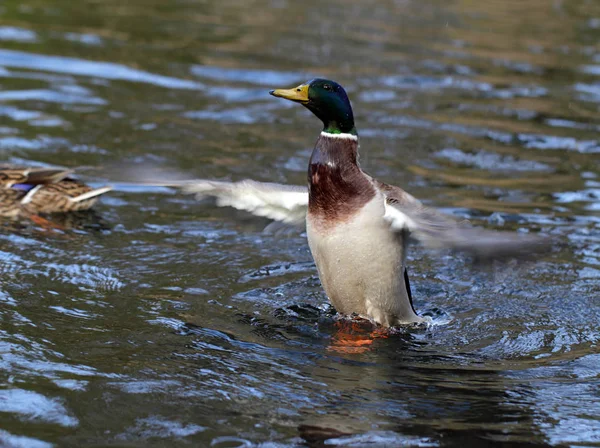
<point>327,100</point>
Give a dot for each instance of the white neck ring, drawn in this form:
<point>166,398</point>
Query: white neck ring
<point>342,136</point>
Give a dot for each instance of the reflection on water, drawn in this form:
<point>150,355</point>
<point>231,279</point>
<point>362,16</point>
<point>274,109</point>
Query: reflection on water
<point>160,321</point>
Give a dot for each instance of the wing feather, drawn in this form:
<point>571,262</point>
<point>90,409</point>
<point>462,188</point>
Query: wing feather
<point>283,203</point>
<point>439,231</point>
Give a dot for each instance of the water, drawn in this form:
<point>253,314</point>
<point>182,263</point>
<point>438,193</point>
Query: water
<point>165,322</point>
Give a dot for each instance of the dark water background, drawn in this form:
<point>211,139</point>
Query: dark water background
<point>173,323</point>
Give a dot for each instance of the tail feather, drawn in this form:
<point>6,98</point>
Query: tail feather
<point>91,194</point>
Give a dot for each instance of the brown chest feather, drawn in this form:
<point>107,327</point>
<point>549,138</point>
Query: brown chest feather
<point>337,186</point>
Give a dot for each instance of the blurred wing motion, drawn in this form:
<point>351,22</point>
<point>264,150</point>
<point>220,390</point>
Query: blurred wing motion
<point>284,203</point>
<point>438,231</point>
<point>288,204</point>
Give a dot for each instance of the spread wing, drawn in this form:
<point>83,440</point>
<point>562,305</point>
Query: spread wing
<point>439,231</point>
<point>284,203</point>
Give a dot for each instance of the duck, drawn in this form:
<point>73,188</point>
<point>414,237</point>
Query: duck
<point>358,228</point>
<point>28,192</point>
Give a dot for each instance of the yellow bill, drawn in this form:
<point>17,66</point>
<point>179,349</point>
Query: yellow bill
<point>298,94</point>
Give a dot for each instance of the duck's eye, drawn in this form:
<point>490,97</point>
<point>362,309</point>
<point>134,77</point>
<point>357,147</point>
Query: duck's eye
<point>327,87</point>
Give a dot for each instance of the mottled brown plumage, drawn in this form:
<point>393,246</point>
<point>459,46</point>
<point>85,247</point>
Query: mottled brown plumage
<point>26,191</point>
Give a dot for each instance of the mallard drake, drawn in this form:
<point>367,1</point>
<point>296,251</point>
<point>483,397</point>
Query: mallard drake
<point>27,191</point>
<point>358,228</point>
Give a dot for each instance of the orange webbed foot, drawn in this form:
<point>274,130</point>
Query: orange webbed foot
<point>356,335</point>
<point>45,224</point>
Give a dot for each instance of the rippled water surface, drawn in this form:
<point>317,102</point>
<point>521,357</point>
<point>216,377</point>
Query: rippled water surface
<point>167,322</point>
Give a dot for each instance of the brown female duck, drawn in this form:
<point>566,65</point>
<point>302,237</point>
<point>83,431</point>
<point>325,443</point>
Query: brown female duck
<point>27,191</point>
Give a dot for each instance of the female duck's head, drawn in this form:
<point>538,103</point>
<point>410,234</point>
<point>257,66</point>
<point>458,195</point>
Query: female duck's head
<point>327,100</point>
